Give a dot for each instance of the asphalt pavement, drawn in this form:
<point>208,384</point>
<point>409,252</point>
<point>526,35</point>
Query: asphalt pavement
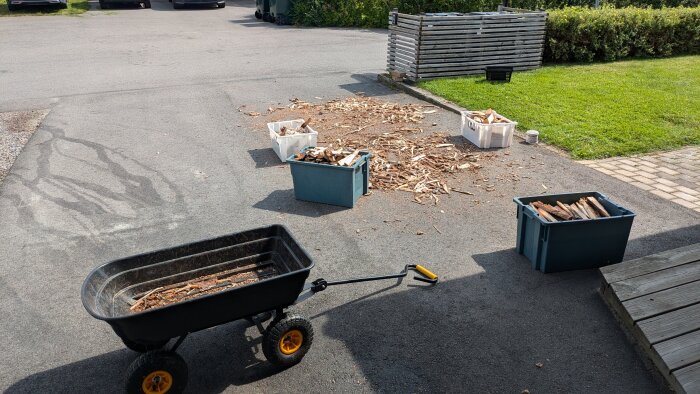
<point>144,148</point>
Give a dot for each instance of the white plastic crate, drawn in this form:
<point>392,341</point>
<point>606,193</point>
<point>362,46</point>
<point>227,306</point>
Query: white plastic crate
<point>287,145</point>
<point>497,135</point>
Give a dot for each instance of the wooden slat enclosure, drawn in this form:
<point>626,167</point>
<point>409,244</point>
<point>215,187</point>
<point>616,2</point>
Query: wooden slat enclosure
<point>432,46</point>
<point>657,300</point>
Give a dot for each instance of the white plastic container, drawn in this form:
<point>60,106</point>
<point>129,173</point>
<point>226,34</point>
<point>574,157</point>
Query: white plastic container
<point>287,145</point>
<point>496,135</point>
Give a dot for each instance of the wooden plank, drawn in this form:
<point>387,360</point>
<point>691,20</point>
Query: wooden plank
<point>656,281</point>
<point>663,301</point>
<point>688,379</point>
<point>480,25</point>
<point>669,325</point>
<point>490,38</point>
<point>447,48</point>
<point>679,352</point>
<point>467,33</point>
<point>483,27</point>
<point>456,73</point>
<point>478,52</point>
<point>401,49</point>
<point>670,258</point>
<point>478,61</point>
<point>506,50</point>
<point>433,19</point>
<point>458,34</point>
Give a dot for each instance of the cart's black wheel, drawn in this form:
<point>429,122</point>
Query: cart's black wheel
<point>141,348</point>
<point>157,372</point>
<point>258,15</point>
<point>287,339</point>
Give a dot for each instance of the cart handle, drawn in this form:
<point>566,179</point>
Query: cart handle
<point>320,284</point>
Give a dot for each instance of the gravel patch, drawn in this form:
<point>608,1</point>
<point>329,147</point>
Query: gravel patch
<point>15,130</point>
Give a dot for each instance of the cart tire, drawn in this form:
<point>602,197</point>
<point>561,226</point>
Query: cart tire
<point>160,371</point>
<point>287,340</point>
<point>141,348</point>
<point>258,15</point>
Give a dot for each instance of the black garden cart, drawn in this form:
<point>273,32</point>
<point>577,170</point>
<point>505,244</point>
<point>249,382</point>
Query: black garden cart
<point>111,290</point>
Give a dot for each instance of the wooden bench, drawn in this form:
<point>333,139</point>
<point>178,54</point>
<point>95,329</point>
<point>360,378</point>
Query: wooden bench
<point>657,300</point>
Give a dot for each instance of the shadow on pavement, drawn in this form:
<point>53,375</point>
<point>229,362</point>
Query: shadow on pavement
<point>265,158</point>
<point>486,333</point>
<point>367,85</point>
<point>168,6</point>
<point>284,201</point>
<point>120,6</point>
<point>656,243</point>
<point>217,358</point>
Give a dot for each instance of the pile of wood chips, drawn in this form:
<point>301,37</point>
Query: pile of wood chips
<point>343,157</point>
<point>203,285</point>
<point>487,117</point>
<point>584,208</point>
<point>366,110</point>
<point>417,165</point>
<point>404,156</point>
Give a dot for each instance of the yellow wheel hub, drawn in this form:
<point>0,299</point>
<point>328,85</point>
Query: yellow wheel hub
<point>157,382</point>
<point>291,341</point>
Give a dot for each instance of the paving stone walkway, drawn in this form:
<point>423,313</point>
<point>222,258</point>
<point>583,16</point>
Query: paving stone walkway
<point>671,175</point>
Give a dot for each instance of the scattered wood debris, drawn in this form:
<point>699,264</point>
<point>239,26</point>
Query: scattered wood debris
<point>343,157</point>
<point>487,117</point>
<point>203,285</point>
<point>301,129</point>
<point>404,157</point>
<point>419,165</point>
<point>584,208</point>
<point>369,109</point>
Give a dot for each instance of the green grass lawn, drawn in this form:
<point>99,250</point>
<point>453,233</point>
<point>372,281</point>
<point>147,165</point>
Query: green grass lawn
<point>595,110</point>
<point>75,7</point>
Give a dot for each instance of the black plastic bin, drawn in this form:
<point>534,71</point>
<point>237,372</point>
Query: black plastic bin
<point>498,73</point>
<point>572,245</point>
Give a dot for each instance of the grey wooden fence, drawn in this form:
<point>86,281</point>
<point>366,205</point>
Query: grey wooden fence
<point>433,45</point>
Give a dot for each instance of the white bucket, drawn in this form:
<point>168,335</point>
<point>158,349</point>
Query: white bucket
<point>532,136</point>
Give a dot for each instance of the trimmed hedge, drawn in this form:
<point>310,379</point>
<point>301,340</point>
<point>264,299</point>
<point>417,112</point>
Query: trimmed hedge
<point>375,13</point>
<point>583,35</point>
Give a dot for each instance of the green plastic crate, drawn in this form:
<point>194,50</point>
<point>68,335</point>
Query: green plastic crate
<point>329,184</point>
<point>572,245</point>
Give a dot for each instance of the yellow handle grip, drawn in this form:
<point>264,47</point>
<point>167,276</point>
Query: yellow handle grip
<point>426,272</point>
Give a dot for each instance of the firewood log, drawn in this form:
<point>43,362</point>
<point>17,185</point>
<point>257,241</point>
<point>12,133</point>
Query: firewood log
<point>598,206</point>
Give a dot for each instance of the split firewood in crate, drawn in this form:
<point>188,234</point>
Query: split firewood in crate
<point>301,129</point>
<point>343,157</point>
<point>598,206</point>
<point>487,117</point>
<point>584,208</point>
<point>556,211</point>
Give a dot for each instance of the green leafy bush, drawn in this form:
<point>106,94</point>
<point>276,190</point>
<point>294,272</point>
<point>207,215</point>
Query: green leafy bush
<point>584,35</point>
<point>375,13</point>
